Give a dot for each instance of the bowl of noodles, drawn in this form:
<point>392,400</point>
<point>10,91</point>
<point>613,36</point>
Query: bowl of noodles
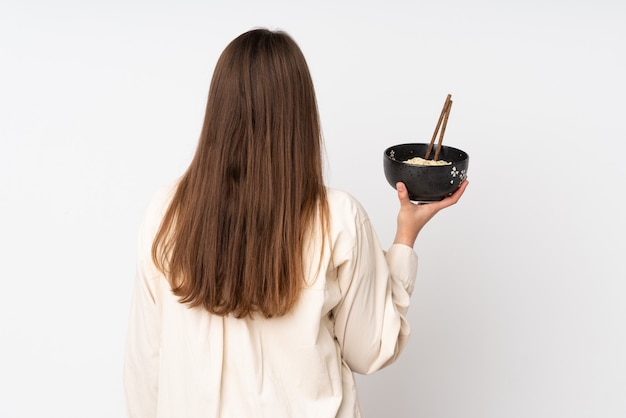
<point>426,180</point>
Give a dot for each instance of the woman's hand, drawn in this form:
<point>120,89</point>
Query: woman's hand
<point>413,216</point>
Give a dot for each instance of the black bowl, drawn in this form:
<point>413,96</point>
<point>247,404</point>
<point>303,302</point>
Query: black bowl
<point>425,183</point>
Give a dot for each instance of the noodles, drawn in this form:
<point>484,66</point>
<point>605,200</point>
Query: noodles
<point>422,161</point>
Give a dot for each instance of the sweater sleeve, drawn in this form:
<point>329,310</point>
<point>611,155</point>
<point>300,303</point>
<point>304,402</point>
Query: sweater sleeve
<point>143,341</point>
<point>370,322</point>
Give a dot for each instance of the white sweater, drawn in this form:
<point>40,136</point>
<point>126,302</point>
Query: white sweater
<point>187,363</point>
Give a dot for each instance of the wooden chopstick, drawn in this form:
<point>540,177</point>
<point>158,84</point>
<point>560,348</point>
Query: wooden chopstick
<point>441,117</point>
<point>443,130</point>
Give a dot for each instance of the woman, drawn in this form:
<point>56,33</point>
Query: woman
<point>260,291</point>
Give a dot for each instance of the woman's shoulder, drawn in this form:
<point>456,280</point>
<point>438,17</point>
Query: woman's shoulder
<point>343,205</point>
<point>157,205</point>
<point>162,195</point>
<point>340,197</point>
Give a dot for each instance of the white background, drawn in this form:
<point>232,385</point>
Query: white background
<point>519,309</point>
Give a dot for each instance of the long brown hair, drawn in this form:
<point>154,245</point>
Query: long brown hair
<point>233,237</point>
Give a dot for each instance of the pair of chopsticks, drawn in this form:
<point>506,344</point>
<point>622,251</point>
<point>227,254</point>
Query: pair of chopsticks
<point>445,112</point>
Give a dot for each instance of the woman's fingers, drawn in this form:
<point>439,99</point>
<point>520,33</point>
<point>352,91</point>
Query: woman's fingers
<point>451,200</point>
<point>403,194</point>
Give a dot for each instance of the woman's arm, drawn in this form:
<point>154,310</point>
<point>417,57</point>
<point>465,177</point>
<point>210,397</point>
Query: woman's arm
<point>370,322</point>
<point>143,342</point>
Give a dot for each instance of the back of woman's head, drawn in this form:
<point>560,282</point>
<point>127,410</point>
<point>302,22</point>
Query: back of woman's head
<point>233,237</point>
